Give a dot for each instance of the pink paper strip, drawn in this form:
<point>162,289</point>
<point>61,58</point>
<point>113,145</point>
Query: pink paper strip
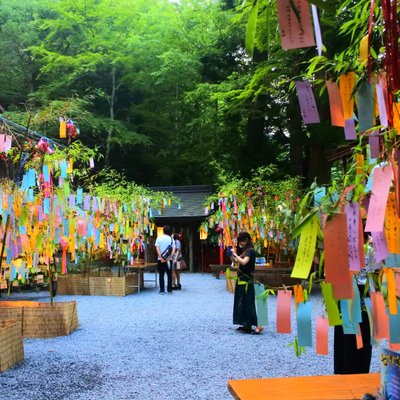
<point>377,205</point>
<point>381,102</point>
<point>7,143</point>
<point>380,245</point>
<point>322,336</point>
<point>308,107</point>
<point>1,143</point>
<point>295,33</point>
<point>283,308</point>
<point>352,211</point>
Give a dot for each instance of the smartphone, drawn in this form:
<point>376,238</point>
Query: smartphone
<point>229,251</point>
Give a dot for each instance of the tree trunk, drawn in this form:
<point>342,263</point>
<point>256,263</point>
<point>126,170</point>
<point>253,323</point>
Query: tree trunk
<point>111,101</point>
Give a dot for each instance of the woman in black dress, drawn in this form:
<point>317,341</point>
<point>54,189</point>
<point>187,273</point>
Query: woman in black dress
<point>244,307</point>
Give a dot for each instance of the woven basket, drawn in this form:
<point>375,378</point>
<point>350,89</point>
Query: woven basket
<point>11,344</point>
<point>41,320</point>
<point>231,283</point>
<point>98,285</point>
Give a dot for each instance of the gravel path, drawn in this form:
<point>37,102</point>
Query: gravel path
<point>152,346</point>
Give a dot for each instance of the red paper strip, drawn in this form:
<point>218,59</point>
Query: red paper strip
<point>337,257</point>
<point>283,311</point>
<point>64,260</point>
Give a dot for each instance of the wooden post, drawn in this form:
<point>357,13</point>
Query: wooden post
<point>191,267</point>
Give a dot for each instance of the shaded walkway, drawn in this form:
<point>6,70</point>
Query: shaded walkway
<point>152,346</point>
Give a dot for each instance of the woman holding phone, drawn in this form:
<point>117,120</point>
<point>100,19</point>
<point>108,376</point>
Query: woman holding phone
<point>244,307</point>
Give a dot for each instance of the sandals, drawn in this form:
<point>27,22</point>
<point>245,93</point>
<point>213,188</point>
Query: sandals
<point>258,330</point>
<point>244,329</point>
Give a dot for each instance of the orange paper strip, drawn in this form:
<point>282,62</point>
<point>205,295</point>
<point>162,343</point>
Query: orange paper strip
<point>63,129</point>
<point>283,310</point>
<point>396,117</point>
<point>335,104</point>
<point>298,294</point>
<point>392,224</point>
<point>379,317</point>
<point>359,339</point>
<point>391,287</point>
<point>346,86</point>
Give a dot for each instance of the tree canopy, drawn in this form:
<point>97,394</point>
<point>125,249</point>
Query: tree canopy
<point>166,90</point>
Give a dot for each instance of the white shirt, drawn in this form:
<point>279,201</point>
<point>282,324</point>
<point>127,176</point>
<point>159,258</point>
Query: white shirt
<point>163,241</point>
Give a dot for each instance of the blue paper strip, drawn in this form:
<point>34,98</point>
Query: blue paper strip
<point>261,305</point>
<point>63,168</point>
<point>365,107</point>
<point>394,327</point>
<point>46,174</point>
<point>79,196</point>
<point>355,305</point>
<point>304,327</point>
<point>46,206</point>
<point>349,328</point>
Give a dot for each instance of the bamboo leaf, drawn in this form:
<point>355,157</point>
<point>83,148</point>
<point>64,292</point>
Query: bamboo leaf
<point>296,12</point>
<point>251,30</point>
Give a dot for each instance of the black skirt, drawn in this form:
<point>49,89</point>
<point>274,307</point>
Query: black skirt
<point>244,306</point>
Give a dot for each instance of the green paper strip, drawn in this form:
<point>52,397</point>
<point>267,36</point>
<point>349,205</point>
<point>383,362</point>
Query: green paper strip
<point>331,304</point>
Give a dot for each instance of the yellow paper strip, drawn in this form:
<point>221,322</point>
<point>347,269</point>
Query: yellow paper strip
<point>364,50</point>
<point>306,250</point>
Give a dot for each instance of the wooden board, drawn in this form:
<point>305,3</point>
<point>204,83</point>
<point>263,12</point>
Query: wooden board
<point>332,387</point>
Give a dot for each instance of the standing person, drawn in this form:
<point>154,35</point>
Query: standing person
<point>244,306</point>
<point>176,261</point>
<point>165,247</point>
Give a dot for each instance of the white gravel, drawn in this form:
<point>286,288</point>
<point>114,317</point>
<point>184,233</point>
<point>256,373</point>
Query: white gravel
<point>152,346</point>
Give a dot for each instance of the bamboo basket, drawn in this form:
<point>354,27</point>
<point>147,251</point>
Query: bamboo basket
<point>98,285</point>
<point>11,344</point>
<point>231,283</point>
<point>41,320</point>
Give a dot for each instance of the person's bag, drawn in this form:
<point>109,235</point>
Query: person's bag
<point>167,252</point>
<point>182,264</point>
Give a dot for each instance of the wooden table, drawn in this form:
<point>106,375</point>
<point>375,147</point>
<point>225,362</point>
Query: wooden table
<point>328,387</point>
<point>140,269</point>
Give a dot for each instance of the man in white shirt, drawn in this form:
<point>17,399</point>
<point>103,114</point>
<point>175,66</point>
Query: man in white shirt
<point>164,263</point>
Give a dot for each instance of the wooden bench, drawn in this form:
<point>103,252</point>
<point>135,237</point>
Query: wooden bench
<point>328,387</point>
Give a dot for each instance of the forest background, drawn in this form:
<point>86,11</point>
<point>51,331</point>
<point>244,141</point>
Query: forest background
<point>166,89</point>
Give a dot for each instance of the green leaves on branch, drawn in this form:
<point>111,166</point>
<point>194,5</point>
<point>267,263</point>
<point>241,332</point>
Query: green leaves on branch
<point>251,28</point>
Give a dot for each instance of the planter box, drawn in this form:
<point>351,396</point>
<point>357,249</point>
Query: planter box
<point>11,344</point>
<point>275,277</point>
<point>98,285</point>
<point>41,320</point>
